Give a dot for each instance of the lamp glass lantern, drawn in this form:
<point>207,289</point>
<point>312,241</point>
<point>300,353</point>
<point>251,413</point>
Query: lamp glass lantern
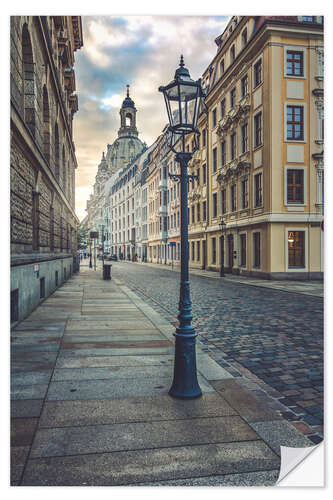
<point>182,99</point>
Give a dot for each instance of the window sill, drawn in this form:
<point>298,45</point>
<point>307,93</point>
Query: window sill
<point>298,77</point>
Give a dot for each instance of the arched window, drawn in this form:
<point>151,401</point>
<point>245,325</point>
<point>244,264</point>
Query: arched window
<point>64,177</point>
<point>28,72</point>
<point>56,151</point>
<point>46,124</point>
<point>128,119</point>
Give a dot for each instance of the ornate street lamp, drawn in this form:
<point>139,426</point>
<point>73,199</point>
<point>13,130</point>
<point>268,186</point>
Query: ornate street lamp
<point>182,98</point>
<point>223,227</point>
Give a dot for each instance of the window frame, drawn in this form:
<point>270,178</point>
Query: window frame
<point>245,138</point>
<point>295,167</point>
<point>258,62</point>
<point>294,48</point>
<point>306,260</point>
<point>233,197</point>
<point>223,153</point>
<point>243,236</point>
<point>255,175</point>
<point>245,194</point>
<point>233,146</point>
<point>255,144</point>
<point>233,97</point>
<point>254,264</point>
<point>214,205</point>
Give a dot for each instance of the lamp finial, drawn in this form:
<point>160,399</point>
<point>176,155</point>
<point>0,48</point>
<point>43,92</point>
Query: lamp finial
<point>181,64</point>
<point>127,90</point>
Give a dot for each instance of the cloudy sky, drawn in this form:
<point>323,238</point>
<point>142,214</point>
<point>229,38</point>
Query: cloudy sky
<point>142,51</point>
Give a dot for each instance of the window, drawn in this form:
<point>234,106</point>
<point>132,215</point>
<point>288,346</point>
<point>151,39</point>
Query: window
<point>214,160</point>
<point>204,211</point>
<point>198,212</point>
<point>223,108</point>
<point>233,97</point>
<point>14,303</point>
<point>193,214</point>
<point>233,197</point>
<point>214,214</point>
<point>198,176</point>
<point>258,130</point>
<point>244,38</point>
<point>296,249</point>
<point>245,193</point>
<point>222,67</point>
<point>232,54</point>
<point>295,63</point>
<point>203,174</point>
<point>295,123</point>
<point>245,85</point>
<point>257,73</point>
<point>245,138</point>
<point>256,247</point>
<point>295,186</point>
<point>213,250</point>
<point>307,19</point>
<point>198,251</point>
<point>258,190</point>
<point>204,138</point>
<point>233,146</point>
<point>223,154</point>
<point>192,249</point>
<point>243,249</point>
<point>42,287</point>
<point>214,118</point>
<point>223,201</point>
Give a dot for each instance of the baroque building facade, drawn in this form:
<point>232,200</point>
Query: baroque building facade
<point>42,156</point>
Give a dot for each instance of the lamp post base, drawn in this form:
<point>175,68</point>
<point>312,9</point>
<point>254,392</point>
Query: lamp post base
<point>185,383</point>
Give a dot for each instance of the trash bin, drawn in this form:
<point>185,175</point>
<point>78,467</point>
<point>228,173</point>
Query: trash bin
<point>107,271</point>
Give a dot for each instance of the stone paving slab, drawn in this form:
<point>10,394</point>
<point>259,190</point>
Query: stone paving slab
<point>123,468</point>
<point>246,403</point>
<point>280,433</point>
<point>109,324</point>
<point>62,441</point>
<point>36,391</point>
<point>26,408</point>
<point>31,378</point>
<point>100,361</point>
<point>33,361</point>
<point>265,478</point>
<point>111,388</point>
<point>72,353</point>
<point>113,336</point>
<point>18,458</point>
<point>141,343</point>
<point>22,431</point>
<point>149,408</point>
<point>111,372</point>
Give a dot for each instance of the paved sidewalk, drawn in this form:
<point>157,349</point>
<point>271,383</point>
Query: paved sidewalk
<point>315,288</point>
<point>91,369</point>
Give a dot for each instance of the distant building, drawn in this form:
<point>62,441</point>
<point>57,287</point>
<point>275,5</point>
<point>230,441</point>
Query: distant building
<point>42,163</point>
<point>120,154</point>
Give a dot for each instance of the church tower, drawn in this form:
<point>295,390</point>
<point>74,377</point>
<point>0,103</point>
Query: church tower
<point>128,118</point>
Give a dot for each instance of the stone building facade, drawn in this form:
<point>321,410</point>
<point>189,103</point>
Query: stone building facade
<point>42,156</point>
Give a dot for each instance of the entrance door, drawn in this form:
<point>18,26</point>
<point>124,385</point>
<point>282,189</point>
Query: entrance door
<point>230,253</point>
<point>203,254</point>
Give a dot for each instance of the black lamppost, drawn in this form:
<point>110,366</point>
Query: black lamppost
<point>223,228</point>
<point>182,98</point>
<point>90,257</point>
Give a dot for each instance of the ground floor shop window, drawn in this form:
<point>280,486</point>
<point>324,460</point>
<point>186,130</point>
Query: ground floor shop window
<point>257,249</point>
<point>243,249</point>
<point>213,250</point>
<point>296,249</point>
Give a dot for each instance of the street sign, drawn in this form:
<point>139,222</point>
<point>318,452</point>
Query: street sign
<point>172,243</point>
<point>93,235</point>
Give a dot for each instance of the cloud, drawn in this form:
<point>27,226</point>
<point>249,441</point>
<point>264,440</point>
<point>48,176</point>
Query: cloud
<point>142,51</point>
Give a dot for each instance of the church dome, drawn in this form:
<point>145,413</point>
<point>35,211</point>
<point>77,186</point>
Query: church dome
<point>128,103</point>
<point>122,151</point>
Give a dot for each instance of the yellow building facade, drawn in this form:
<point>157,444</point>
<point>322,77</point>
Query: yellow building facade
<point>260,161</point>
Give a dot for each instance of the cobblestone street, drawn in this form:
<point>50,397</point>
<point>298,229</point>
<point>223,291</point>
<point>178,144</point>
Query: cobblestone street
<point>272,337</point>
